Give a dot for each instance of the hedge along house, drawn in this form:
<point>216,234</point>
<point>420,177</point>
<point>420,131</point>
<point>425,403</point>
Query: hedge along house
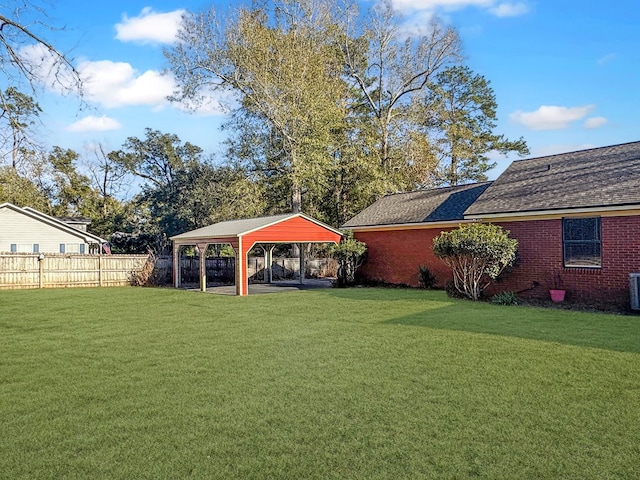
<point>244,234</point>
<point>576,217</point>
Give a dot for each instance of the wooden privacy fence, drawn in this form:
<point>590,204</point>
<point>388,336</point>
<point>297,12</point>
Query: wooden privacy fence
<point>69,270</point>
<point>60,270</point>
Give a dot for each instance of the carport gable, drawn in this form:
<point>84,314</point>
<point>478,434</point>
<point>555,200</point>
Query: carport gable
<point>243,234</point>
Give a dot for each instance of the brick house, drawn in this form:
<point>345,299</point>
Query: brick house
<point>575,215</point>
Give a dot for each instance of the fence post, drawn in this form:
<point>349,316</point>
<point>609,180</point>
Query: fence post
<point>100,269</point>
<point>41,270</point>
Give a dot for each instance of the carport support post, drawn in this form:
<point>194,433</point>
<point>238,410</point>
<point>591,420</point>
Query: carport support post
<point>302,263</point>
<point>202,250</point>
<point>176,265</point>
<point>242,282</point>
<point>268,262</point>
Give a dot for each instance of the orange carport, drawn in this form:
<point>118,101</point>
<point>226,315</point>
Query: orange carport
<point>243,234</point>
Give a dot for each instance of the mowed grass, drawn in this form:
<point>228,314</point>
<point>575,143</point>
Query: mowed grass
<point>127,383</point>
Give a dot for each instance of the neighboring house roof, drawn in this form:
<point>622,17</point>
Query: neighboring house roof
<point>599,177</point>
<point>53,222</point>
<point>238,228</point>
<point>81,223</point>
<point>434,205</point>
<point>78,220</point>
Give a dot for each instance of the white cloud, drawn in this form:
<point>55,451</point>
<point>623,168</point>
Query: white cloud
<point>94,124</point>
<point>504,9</point>
<point>117,84</point>
<point>150,26</point>
<point>48,69</point>
<point>110,84</point>
<point>595,122</point>
<point>404,5</point>
<point>550,117</point>
<point>210,102</point>
<point>416,24</point>
<point>509,9</point>
<point>608,58</point>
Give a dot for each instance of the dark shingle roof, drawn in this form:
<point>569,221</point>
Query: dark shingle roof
<point>436,205</point>
<point>599,177</point>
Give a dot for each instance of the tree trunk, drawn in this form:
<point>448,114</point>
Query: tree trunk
<point>296,198</point>
<point>384,145</point>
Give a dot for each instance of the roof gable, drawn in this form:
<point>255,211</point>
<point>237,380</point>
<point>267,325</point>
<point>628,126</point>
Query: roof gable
<point>422,206</point>
<point>599,177</point>
<point>52,222</point>
<point>59,223</point>
<point>238,228</point>
<point>231,228</point>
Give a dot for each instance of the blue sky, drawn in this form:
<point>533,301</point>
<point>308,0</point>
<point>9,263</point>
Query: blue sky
<point>566,73</point>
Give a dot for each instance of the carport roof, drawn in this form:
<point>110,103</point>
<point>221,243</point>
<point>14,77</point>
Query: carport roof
<point>238,228</point>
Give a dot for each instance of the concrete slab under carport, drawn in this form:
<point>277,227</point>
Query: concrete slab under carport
<point>275,287</point>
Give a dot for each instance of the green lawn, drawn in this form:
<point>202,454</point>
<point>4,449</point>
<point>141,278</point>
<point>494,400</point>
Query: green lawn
<point>129,383</point>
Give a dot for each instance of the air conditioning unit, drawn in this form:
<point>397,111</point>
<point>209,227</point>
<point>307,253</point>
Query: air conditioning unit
<point>634,288</point>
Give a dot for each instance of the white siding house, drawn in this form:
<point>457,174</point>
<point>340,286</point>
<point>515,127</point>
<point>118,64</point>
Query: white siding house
<point>25,230</point>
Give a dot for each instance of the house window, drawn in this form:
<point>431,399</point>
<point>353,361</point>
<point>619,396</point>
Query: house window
<point>581,242</point>
<point>24,248</point>
<point>72,248</point>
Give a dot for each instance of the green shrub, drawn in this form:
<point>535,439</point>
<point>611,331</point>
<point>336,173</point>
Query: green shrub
<point>505,298</point>
<point>477,253</point>
<point>426,278</point>
<point>349,253</point>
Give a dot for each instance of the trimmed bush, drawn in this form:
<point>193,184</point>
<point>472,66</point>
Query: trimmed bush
<point>477,253</point>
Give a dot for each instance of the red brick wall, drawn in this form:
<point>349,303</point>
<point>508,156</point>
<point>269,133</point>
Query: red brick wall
<point>540,251</point>
<point>539,258</point>
<point>395,256</point>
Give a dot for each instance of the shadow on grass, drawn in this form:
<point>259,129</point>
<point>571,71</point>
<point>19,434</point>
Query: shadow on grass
<point>385,293</point>
<point>586,329</point>
<point>605,331</point>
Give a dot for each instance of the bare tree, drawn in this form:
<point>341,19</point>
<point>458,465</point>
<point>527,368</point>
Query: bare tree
<point>27,57</point>
<point>20,25</point>
<point>391,72</point>
<point>281,62</point>
<point>108,178</point>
